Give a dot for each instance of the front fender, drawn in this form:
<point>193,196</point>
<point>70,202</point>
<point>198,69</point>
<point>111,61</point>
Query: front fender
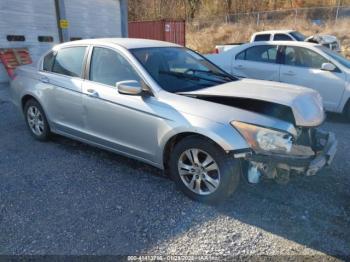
<point>225,136</point>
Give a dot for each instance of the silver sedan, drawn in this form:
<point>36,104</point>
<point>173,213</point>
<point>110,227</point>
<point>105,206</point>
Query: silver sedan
<point>170,107</point>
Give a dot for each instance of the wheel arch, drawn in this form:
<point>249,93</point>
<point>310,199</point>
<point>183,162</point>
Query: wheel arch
<point>26,98</point>
<point>225,145</point>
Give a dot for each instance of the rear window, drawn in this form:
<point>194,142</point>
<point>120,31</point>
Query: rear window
<point>69,61</point>
<point>264,37</point>
<point>282,37</point>
<point>298,36</point>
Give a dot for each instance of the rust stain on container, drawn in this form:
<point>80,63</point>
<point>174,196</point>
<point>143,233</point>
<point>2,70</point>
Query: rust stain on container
<point>164,30</point>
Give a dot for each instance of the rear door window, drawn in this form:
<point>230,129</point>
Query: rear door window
<point>69,61</point>
<point>263,37</point>
<point>262,53</point>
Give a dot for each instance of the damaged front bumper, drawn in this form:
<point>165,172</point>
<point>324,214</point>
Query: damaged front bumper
<point>303,159</point>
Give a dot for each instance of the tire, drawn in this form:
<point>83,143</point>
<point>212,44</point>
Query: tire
<point>36,120</point>
<point>347,111</point>
<point>223,172</point>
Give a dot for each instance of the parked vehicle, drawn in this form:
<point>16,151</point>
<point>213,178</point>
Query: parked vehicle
<point>170,107</point>
<point>328,41</point>
<point>305,64</point>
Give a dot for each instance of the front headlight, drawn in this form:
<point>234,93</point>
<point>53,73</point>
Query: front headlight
<point>264,139</point>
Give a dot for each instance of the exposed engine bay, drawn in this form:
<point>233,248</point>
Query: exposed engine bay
<point>279,157</point>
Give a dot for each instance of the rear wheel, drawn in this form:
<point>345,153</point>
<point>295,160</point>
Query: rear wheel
<point>203,171</point>
<point>36,120</point>
<point>347,110</point>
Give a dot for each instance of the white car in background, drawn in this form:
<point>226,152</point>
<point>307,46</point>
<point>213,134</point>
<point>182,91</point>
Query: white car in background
<point>299,63</point>
<point>329,41</point>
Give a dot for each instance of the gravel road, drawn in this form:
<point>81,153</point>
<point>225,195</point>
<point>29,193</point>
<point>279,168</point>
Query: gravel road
<point>65,197</point>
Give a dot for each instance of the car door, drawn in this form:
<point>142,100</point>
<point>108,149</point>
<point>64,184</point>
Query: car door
<point>62,73</point>
<point>302,66</point>
<point>125,123</point>
<point>258,62</point>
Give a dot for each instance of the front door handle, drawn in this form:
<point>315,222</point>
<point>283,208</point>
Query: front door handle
<point>44,79</point>
<point>92,92</point>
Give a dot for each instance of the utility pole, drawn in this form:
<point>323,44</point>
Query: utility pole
<point>338,7</point>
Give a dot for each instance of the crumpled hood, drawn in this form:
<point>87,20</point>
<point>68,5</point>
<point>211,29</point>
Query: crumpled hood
<point>306,104</point>
<point>323,39</point>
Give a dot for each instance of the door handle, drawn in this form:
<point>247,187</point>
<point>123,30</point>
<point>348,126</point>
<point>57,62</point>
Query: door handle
<point>239,67</point>
<point>290,73</point>
<point>92,92</point>
<point>44,79</point>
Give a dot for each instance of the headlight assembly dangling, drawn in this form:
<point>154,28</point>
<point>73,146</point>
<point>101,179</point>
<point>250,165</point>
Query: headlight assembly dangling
<point>264,139</point>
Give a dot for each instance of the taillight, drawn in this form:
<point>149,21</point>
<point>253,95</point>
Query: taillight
<point>215,51</point>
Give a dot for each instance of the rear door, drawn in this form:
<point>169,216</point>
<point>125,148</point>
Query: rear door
<point>64,75</point>
<point>302,66</point>
<point>258,62</point>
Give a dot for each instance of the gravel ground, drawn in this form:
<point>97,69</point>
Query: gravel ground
<point>65,197</point>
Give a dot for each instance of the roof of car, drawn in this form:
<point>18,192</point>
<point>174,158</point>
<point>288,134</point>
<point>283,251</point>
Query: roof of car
<point>128,43</point>
<point>275,31</point>
<point>288,43</point>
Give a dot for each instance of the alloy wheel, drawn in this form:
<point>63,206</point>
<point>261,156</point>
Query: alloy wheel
<point>35,120</point>
<point>199,171</point>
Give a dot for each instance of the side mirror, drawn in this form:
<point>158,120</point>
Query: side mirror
<point>130,87</point>
<point>328,67</point>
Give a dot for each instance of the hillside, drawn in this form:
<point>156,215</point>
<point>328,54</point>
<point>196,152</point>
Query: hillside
<point>195,9</point>
<point>204,40</point>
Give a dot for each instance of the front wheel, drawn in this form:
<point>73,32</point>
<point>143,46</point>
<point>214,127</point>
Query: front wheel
<point>203,171</point>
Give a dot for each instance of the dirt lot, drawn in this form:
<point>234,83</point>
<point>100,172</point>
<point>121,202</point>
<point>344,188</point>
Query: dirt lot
<point>64,197</point>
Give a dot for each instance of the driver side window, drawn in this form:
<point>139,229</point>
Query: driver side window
<point>303,57</point>
<point>108,67</point>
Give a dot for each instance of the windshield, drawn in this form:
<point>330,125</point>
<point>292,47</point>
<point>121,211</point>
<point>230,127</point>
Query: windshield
<point>298,36</point>
<point>178,69</point>
<point>336,56</point>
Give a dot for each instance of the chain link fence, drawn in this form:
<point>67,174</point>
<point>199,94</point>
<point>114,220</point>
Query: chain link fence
<point>316,15</point>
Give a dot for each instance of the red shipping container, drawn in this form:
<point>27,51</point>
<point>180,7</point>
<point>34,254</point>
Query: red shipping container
<point>164,30</point>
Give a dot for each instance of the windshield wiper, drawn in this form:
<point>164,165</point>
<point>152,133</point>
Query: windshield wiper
<point>212,73</point>
<point>190,77</point>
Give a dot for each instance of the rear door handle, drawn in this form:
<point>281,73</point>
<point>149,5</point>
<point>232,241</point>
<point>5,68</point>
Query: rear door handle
<point>290,73</point>
<point>239,66</point>
<point>44,79</point>
<point>92,92</point>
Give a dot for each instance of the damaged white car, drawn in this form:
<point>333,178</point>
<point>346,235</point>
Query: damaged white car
<point>170,107</point>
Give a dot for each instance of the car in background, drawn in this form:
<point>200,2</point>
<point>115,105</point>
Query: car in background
<point>168,106</point>
<point>328,41</point>
<point>299,63</point>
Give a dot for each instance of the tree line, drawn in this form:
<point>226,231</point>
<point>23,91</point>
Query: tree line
<point>140,10</point>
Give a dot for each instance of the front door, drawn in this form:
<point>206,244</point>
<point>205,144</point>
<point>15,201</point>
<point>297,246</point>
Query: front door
<point>302,66</point>
<point>125,123</point>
